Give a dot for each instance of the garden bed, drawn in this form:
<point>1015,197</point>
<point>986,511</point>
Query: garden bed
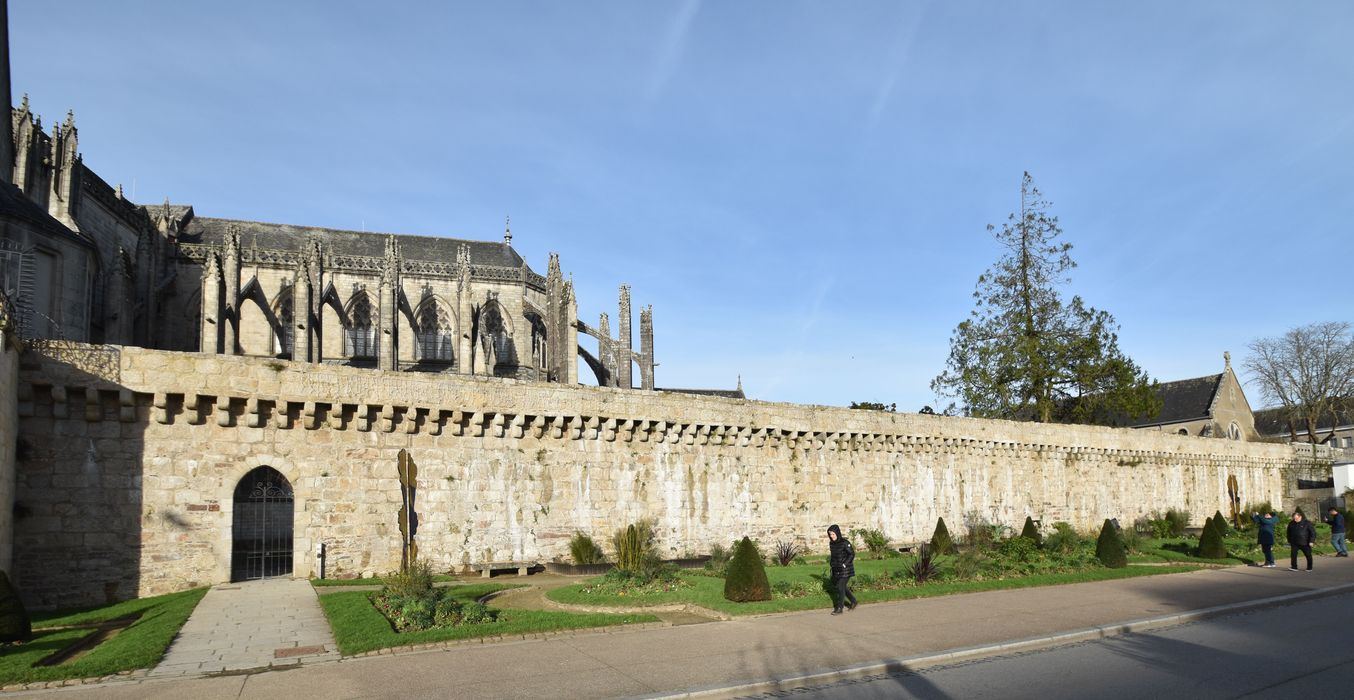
<point>804,587</point>
<point>360,627</point>
<point>564,569</point>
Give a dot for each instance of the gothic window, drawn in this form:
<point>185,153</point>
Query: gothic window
<point>434,333</point>
<point>360,336</point>
<point>495,340</point>
<point>538,342</point>
<point>283,344</point>
<point>1234,431</point>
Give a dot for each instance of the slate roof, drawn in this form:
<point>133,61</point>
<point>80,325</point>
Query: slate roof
<point>344,242</point>
<point>722,393</point>
<point>16,206</point>
<point>1183,400</point>
<point>1274,421</point>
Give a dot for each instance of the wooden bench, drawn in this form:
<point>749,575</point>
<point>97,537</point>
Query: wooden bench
<point>486,569</point>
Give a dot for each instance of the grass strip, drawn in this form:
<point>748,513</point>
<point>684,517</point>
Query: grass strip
<point>141,645</point>
<point>359,627</point>
<point>709,592</point>
<point>377,581</point>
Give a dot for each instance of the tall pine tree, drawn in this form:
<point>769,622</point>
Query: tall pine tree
<point>1027,354</point>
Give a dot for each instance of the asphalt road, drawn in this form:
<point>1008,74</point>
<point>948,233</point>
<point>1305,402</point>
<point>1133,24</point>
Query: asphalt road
<point>1304,650</point>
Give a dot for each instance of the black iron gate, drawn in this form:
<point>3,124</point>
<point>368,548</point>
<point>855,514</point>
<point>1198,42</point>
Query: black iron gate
<point>261,534</point>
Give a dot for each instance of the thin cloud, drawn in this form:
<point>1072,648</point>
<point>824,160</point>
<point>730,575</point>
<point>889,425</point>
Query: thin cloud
<point>898,54</point>
<point>673,46</point>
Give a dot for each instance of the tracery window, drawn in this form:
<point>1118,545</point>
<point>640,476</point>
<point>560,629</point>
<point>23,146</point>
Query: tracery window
<point>360,336</point>
<point>283,344</point>
<point>434,334</point>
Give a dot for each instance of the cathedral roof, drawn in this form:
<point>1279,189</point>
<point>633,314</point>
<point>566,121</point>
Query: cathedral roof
<point>14,205</point>
<point>1183,400</point>
<point>344,242</point>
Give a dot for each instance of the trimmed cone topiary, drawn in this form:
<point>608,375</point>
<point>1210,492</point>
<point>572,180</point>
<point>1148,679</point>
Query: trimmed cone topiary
<point>1032,532</point>
<point>941,543</point>
<point>746,579</point>
<point>14,623</point>
<point>1221,523</point>
<point>1109,548</point>
<point>1211,545</point>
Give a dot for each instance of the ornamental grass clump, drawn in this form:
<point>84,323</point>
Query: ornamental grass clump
<point>924,567</point>
<point>746,580</point>
<point>941,541</point>
<point>786,552</point>
<point>1211,545</point>
<point>634,546</point>
<point>584,551</point>
<point>1109,549</point>
<point>1030,532</point>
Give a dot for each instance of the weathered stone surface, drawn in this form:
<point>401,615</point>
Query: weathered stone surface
<point>493,487</point>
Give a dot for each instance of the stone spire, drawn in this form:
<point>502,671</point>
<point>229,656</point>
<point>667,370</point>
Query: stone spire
<point>626,338</point>
<point>507,230</point>
<point>646,363</point>
<point>66,165</point>
<point>1226,360</point>
<point>463,267</point>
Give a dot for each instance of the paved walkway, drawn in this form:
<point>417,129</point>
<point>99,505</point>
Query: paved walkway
<point>713,658</point>
<point>250,625</point>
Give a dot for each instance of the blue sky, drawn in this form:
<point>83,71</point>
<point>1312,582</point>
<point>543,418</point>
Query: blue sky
<point>800,189</point>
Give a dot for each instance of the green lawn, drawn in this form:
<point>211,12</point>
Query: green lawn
<point>708,591</point>
<point>359,627</point>
<point>141,645</point>
<point>378,581</point>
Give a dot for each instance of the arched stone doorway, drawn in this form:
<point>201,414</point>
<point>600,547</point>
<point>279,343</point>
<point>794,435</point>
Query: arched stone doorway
<point>261,532</point>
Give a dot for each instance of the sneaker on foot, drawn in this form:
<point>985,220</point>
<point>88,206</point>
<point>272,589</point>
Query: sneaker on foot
<point>1292,568</point>
<point>851,607</point>
<point>836,611</point>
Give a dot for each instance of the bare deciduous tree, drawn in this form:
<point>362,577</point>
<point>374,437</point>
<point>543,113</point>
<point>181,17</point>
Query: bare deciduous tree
<point>1308,371</point>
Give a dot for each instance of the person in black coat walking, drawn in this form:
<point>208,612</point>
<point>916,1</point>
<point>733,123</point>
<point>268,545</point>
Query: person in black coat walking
<point>1301,535</point>
<point>843,568</point>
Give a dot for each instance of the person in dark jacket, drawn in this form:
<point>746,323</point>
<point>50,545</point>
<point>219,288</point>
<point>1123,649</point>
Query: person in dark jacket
<point>1301,535</point>
<point>843,568</point>
<point>1337,532</point>
<point>1265,535</point>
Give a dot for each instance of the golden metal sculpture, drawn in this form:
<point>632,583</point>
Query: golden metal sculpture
<point>408,516</point>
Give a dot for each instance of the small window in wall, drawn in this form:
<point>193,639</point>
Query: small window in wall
<point>1233,431</point>
<point>1349,442</point>
<point>1182,431</point>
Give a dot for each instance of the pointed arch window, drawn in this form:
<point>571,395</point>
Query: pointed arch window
<point>497,341</point>
<point>359,339</point>
<point>434,333</point>
<point>283,344</point>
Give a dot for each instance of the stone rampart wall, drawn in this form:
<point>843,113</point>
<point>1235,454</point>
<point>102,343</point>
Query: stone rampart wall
<point>135,455</point>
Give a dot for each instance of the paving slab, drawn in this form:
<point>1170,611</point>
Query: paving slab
<point>250,625</point>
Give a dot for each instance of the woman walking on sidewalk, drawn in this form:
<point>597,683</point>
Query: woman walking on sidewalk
<point>1265,536</point>
<point>843,568</point>
<point>1301,535</point>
